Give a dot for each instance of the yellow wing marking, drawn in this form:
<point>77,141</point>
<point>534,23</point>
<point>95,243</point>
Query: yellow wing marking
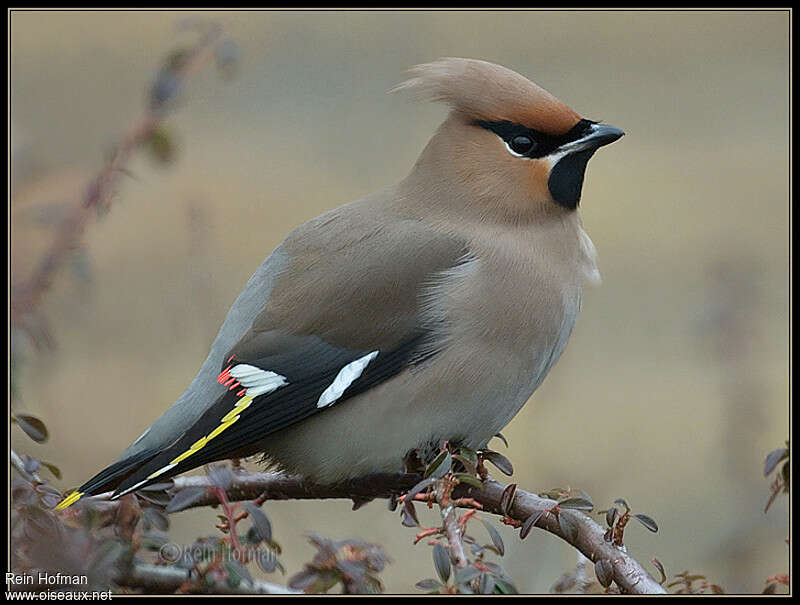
<point>229,418</point>
<point>69,500</point>
<point>226,421</point>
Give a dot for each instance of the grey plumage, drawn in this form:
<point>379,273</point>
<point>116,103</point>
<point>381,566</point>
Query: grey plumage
<point>446,299</point>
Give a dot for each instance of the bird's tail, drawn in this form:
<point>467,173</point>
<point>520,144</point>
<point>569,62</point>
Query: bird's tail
<point>109,478</point>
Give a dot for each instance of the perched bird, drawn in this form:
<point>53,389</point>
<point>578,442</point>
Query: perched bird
<point>427,312</point>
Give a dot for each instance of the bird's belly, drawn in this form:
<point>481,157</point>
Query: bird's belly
<point>431,404</point>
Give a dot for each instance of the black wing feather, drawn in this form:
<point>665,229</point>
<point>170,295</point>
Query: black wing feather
<point>309,369</point>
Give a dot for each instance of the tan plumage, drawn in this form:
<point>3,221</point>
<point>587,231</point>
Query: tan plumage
<point>491,92</point>
<point>425,312</point>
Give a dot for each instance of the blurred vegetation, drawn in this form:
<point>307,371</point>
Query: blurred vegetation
<point>676,377</point>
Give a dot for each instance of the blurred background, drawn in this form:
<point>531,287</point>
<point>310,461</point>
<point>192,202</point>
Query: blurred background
<point>674,385</point>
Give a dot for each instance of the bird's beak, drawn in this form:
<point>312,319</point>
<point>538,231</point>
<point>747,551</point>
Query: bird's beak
<point>598,135</point>
<point>569,163</point>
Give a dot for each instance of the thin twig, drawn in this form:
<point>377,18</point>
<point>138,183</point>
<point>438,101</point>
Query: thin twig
<point>19,466</point>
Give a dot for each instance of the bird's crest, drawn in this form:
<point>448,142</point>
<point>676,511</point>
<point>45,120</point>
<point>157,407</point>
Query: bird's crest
<point>489,92</point>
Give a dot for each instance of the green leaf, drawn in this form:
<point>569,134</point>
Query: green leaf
<point>54,470</point>
<point>497,540</point>
<point>466,574</point>
<point>469,466</point>
<point>469,454</point>
<point>185,498</point>
<point>500,461</point>
<point>440,466</point>
<point>773,458</point>
<point>261,525</point>
<point>236,573</point>
<point>486,584</point>
<point>528,524</point>
<point>428,585</point>
<point>623,503</point>
<point>504,587</point>
<point>576,503</point>
<point>441,562</point>
<point>502,438</point>
<point>648,522</point>
<point>469,479</point>
<point>409,512</point>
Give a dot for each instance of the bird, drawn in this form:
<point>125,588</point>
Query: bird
<point>424,313</point>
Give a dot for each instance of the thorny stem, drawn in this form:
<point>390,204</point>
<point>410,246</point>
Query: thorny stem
<point>232,518</point>
<point>27,295</point>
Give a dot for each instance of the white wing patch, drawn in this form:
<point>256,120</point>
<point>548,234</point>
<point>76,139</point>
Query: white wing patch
<point>255,380</point>
<point>344,379</point>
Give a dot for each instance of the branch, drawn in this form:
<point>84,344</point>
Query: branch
<point>164,580</point>
<point>629,574</point>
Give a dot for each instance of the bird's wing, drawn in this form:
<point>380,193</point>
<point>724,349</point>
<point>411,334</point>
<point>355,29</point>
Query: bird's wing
<point>341,318</point>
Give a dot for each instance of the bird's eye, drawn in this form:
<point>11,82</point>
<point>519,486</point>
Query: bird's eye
<point>522,144</point>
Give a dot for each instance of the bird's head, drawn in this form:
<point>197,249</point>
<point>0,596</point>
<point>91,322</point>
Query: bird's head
<point>507,144</point>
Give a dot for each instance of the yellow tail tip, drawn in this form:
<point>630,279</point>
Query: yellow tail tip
<point>69,500</point>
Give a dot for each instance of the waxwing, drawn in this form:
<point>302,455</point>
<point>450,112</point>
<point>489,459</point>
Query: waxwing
<point>427,312</point>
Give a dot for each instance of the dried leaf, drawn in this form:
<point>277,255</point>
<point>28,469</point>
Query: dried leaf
<point>161,146</point>
<point>409,515</point>
<point>660,568</point>
<point>507,499</point>
<point>611,516</point>
<point>502,438</point>
<point>33,427</point>
<point>623,503</point>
